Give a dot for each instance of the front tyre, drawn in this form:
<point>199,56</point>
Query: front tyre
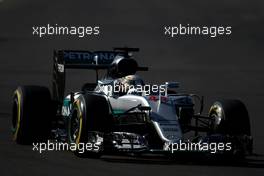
<point>87,123</point>
<point>230,118</point>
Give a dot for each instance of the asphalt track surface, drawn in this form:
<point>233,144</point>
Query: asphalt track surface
<point>230,66</point>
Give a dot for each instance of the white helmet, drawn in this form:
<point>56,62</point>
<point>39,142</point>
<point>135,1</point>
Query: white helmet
<point>129,83</point>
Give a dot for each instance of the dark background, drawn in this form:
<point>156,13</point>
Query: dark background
<point>227,66</point>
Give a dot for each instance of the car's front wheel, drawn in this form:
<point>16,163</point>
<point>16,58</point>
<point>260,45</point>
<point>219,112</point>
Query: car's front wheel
<point>87,123</point>
<point>230,118</point>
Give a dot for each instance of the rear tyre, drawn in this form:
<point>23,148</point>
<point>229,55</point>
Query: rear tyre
<point>31,114</point>
<point>230,118</point>
<point>89,120</point>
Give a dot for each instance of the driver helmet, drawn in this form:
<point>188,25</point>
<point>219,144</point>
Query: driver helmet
<point>129,83</point>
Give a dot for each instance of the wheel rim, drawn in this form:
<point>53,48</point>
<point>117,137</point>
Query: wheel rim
<point>216,114</point>
<point>76,124</point>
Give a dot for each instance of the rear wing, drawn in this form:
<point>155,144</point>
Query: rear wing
<point>85,59</point>
<point>73,59</point>
<point>70,59</point>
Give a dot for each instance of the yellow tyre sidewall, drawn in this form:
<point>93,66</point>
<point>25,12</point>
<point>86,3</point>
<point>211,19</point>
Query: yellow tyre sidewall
<point>17,127</point>
<point>80,116</point>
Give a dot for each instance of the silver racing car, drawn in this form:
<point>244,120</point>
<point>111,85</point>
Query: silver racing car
<point>120,113</point>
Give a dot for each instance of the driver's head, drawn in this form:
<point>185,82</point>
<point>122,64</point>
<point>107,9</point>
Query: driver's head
<point>130,82</point>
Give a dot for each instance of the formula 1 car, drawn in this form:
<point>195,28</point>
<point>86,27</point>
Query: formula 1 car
<point>119,113</point>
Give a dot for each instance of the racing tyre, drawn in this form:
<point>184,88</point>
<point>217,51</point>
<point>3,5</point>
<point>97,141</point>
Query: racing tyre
<point>88,121</point>
<point>230,118</point>
<point>31,114</point>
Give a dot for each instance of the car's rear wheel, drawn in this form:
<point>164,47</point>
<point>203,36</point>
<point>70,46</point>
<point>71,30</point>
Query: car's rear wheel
<point>87,123</point>
<point>230,118</point>
<point>31,114</point>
